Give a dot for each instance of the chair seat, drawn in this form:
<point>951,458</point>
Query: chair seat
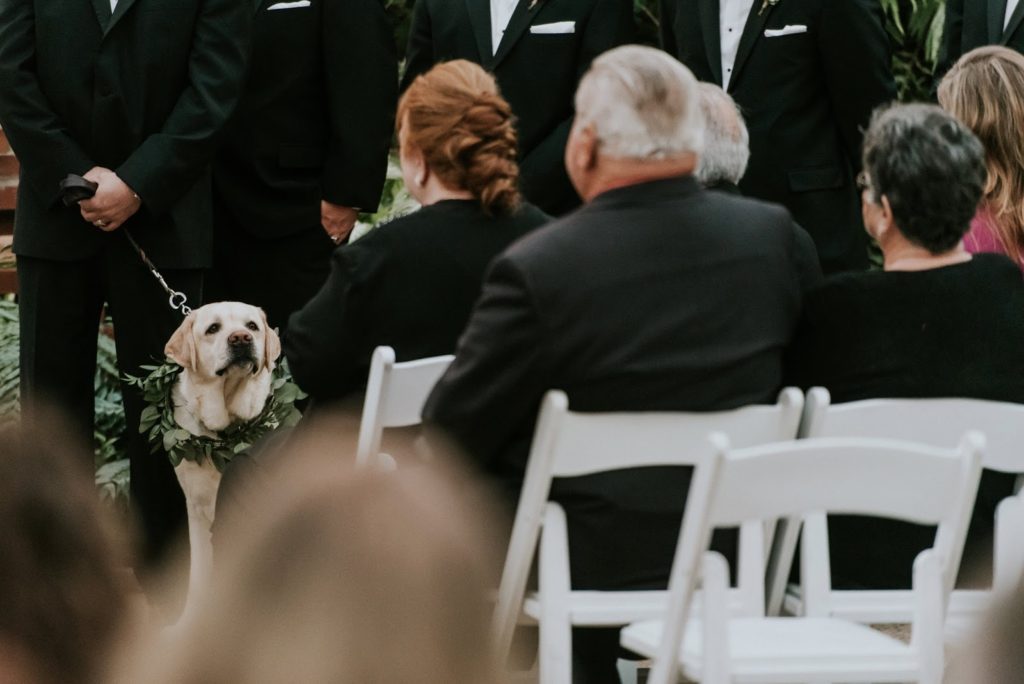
<point>881,607</point>
<point>607,608</point>
<point>617,608</point>
<point>765,650</point>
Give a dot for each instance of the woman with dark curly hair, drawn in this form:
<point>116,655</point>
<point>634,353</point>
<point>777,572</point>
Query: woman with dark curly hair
<point>936,322</point>
<point>412,283</point>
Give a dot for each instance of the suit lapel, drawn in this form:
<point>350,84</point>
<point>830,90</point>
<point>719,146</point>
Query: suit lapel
<point>102,9</point>
<point>480,16</point>
<point>517,26</point>
<point>996,14</point>
<point>751,32</point>
<point>1015,21</point>
<point>119,11</point>
<point>711,23</point>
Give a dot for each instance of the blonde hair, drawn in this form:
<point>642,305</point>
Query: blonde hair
<point>335,575</point>
<point>985,90</point>
<point>455,115</point>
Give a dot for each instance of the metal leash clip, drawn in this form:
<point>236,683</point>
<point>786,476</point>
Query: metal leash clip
<point>73,190</point>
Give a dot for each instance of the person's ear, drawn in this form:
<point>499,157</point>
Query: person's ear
<point>181,348</point>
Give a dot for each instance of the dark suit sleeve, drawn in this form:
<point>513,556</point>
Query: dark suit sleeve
<point>668,32</point>
<point>168,163</point>
<point>419,54</point>
<point>806,255</point>
<point>544,179</point>
<point>38,136</point>
<point>324,339</point>
<point>361,68</point>
<point>952,38</point>
<point>499,374</point>
<point>857,63</point>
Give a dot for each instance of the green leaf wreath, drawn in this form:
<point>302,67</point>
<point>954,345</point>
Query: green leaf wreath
<point>166,434</point>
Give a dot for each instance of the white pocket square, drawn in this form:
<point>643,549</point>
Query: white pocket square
<point>789,30</point>
<point>289,5</point>
<point>557,27</point>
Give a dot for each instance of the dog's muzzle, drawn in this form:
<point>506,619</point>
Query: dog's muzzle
<point>240,348</point>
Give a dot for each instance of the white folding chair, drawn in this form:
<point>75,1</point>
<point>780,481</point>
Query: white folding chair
<point>568,444</point>
<point>811,477</point>
<point>938,422</point>
<point>395,394</point>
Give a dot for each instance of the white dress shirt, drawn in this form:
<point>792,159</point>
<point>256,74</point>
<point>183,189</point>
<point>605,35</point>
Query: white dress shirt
<point>1011,5</point>
<point>501,14</point>
<point>733,16</point>
<point>113,5</point>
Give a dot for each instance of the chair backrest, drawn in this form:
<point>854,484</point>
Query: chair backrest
<point>395,395</point>
<point>938,422</point>
<point>855,476</point>
<point>567,444</point>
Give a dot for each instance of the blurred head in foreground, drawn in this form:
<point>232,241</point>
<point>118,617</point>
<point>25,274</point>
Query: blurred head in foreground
<point>342,576</point>
<point>61,598</point>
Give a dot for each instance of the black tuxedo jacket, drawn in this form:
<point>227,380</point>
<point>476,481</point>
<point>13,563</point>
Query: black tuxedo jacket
<point>974,23</point>
<point>660,296</point>
<point>806,97</point>
<point>143,92</point>
<point>316,117</point>
<point>537,73</point>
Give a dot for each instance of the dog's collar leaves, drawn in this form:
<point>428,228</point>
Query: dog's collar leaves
<point>179,444</point>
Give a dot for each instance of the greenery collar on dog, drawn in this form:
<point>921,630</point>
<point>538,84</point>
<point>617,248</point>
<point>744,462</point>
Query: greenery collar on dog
<point>165,433</point>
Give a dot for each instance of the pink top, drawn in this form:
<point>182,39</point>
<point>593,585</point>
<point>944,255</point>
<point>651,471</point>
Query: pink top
<point>982,236</point>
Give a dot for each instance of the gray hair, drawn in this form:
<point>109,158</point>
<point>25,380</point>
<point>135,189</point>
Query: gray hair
<point>726,140</point>
<point>930,167</point>
<point>642,104</point>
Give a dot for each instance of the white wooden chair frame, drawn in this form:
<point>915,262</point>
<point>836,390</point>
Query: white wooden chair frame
<point>938,422</point>
<point>568,444</point>
<point>395,395</point>
<point>811,477</point>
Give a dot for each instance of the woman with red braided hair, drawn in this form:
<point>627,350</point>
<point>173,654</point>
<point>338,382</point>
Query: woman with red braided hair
<point>412,283</point>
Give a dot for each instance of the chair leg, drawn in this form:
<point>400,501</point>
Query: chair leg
<point>553,587</point>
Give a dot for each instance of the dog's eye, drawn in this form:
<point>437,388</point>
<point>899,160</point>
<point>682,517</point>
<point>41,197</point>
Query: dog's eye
<point>252,326</point>
<point>213,329</point>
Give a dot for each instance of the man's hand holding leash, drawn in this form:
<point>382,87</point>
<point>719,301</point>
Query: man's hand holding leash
<point>114,202</point>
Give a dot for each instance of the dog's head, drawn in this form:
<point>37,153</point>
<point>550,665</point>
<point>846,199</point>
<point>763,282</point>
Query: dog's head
<point>219,338</point>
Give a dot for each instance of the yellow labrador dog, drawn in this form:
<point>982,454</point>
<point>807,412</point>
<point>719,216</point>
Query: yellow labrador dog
<point>227,353</point>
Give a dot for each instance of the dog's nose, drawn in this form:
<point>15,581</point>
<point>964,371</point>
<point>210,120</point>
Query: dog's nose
<point>239,338</point>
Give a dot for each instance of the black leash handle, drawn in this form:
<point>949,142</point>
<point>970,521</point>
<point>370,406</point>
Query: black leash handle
<point>74,189</point>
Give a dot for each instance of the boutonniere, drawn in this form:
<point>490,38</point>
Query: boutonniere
<point>764,6</point>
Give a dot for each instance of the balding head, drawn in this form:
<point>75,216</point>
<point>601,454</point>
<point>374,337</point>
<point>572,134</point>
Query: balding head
<point>726,140</point>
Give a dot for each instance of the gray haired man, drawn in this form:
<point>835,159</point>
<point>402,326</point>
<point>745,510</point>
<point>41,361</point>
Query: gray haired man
<point>726,141</point>
<point>656,295</point>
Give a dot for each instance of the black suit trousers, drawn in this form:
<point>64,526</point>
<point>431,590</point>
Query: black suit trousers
<point>60,306</point>
<point>278,274</point>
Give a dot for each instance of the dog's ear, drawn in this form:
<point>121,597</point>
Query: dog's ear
<point>271,344</point>
<point>181,348</point>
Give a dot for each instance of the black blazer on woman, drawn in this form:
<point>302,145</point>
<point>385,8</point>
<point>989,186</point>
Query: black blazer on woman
<point>956,331</point>
<point>410,284</point>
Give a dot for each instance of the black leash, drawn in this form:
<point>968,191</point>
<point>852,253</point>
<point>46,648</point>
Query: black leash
<point>73,190</point>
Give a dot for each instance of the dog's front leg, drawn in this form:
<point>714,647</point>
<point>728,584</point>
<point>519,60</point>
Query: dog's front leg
<point>199,482</point>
